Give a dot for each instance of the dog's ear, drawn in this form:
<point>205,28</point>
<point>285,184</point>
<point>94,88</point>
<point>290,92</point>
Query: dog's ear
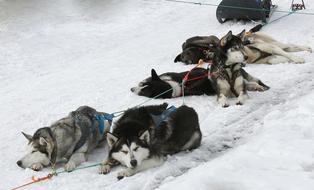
<point>178,58</point>
<point>241,34</point>
<point>155,77</point>
<point>145,136</point>
<point>28,137</point>
<point>43,141</point>
<point>111,139</point>
<point>226,38</point>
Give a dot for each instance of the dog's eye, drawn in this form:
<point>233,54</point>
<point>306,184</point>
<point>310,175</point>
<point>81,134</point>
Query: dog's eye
<point>34,151</point>
<point>135,149</point>
<point>125,152</point>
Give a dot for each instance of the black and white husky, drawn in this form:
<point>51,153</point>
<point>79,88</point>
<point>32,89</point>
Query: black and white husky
<point>168,85</point>
<point>227,73</point>
<point>143,136</point>
<point>71,137</point>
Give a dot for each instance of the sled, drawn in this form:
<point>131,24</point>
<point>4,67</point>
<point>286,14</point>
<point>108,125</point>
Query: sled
<point>245,10</point>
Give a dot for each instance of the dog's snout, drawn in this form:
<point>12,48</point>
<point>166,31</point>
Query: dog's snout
<point>246,57</point>
<point>133,163</point>
<point>19,163</point>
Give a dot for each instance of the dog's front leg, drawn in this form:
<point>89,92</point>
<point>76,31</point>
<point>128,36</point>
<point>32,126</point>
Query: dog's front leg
<point>146,164</point>
<point>106,165</point>
<point>239,87</point>
<point>76,159</point>
<point>223,91</point>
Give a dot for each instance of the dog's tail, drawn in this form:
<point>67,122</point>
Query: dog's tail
<point>256,28</point>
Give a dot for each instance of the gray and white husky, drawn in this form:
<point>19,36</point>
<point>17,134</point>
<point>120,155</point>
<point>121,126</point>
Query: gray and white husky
<point>71,137</point>
<point>263,49</point>
<point>143,136</point>
<point>227,73</point>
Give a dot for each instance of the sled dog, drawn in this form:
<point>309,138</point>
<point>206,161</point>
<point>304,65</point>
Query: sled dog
<point>259,47</point>
<point>143,136</point>
<point>227,73</point>
<point>168,85</point>
<point>71,137</point>
<point>263,49</point>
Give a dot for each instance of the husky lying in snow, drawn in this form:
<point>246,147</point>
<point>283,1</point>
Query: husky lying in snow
<point>143,136</point>
<point>262,49</point>
<point>168,85</point>
<point>227,73</point>
<point>156,85</point>
<point>196,48</point>
<point>71,137</point>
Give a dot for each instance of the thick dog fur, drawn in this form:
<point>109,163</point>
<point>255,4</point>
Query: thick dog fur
<point>137,143</point>
<point>227,73</point>
<point>262,49</point>
<point>156,85</point>
<point>168,85</point>
<point>196,48</point>
<point>51,144</point>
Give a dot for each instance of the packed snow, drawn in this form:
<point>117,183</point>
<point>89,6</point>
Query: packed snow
<point>58,55</point>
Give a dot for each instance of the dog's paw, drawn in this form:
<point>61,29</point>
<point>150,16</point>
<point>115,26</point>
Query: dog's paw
<point>242,98</point>
<point>104,169</point>
<point>298,60</point>
<point>124,173</point>
<point>70,166</point>
<point>37,167</point>
<point>222,100</point>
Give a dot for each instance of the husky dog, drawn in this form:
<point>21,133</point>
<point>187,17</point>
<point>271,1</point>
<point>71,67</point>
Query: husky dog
<point>143,136</point>
<point>170,83</point>
<point>196,48</point>
<point>71,137</point>
<point>262,49</point>
<point>227,73</point>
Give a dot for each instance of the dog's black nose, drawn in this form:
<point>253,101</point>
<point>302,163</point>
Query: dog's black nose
<point>19,163</point>
<point>133,163</point>
<point>245,57</point>
<point>132,89</point>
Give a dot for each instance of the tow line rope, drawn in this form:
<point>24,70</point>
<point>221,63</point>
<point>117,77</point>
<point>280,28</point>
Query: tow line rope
<point>50,175</point>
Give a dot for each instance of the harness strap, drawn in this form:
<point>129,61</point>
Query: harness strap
<point>86,131</point>
<point>101,118</point>
<point>158,119</point>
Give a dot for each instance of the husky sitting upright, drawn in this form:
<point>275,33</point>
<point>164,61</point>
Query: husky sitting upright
<point>227,73</point>
<point>71,137</point>
<point>143,136</point>
<point>168,85</point>
<point>262,49</point>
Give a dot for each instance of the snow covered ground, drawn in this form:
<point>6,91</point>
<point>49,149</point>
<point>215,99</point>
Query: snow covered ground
<point>58,55</point>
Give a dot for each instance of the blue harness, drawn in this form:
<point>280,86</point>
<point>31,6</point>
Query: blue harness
<point>158,119</point>
<point>101,118</point>
<point>98,118</point>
